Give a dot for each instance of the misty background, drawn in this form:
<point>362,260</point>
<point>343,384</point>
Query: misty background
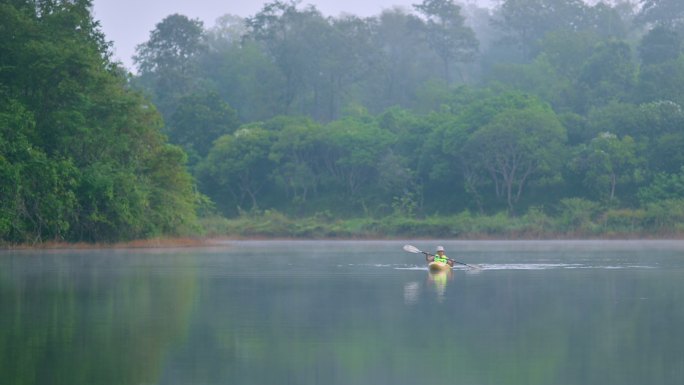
<point>128,23</point>
<point>532,118</point>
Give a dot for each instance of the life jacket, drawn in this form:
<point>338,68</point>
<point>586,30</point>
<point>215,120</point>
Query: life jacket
<point>443,259</point>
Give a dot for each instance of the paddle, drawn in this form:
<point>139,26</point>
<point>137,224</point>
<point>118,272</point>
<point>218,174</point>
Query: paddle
<point>415,250</point>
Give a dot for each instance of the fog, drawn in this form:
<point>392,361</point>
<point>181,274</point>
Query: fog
<point>128,23</point>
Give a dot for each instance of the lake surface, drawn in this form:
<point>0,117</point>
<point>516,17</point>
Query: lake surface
<point>343,312</point>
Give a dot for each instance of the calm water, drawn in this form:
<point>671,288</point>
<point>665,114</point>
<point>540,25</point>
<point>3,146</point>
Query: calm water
<point>575,313</point>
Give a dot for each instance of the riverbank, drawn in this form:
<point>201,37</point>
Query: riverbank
<point>534,225</point>
<point>170,242</point>
<point>611,224</point>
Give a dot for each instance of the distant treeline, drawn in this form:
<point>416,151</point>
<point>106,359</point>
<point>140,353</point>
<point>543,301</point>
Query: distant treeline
<point>544,108</point>
<point>435,109</point>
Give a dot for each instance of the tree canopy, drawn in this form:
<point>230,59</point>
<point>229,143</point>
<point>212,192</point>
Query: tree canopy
<point>82,156</point>
<point>439,109</point>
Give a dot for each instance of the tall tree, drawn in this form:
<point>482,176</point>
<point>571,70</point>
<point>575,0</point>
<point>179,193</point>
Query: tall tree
<point>607,20</point>
<point>348,60</point>
<point>294,39</point>
<point>659,45</point>
<point>354,148</point>
<point>239,167</point>
<point>666,13</point>
<point>526,22</point>
<point>609,74</point>
<point>661,81</point>
<point>80,148</point>
<point>198,120</point>
<point>298,152</point>
<point>242,73</point>
<point>167,62</point>
<point>608,161</point>
<point>404,61</point>
<point>447,34</point>
<point>517,147</point>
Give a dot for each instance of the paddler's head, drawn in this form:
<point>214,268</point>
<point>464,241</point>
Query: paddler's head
<point>440,250</point>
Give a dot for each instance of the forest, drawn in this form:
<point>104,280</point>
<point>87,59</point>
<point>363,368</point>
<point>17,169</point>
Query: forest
<point>535,118</point>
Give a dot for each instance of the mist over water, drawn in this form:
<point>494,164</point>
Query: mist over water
<point>345,312</point>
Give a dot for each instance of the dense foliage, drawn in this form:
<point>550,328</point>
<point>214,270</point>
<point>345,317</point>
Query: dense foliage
<point>570,110</point>
<point>443,108</point>
<point>82,156</point>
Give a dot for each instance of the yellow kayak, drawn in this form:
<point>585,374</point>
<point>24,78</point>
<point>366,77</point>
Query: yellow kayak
<point>438,266</point>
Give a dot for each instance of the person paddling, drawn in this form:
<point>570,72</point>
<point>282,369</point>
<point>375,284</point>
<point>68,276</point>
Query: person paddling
<point>439,257</point>
<point>429,257</point>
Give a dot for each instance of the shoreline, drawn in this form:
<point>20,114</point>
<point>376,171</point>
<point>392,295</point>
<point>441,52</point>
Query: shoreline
<point>191,242</point>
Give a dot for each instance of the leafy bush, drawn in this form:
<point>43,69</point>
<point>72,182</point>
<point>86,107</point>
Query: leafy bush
<point>665,215</point>
<point>577,214</point>
<point>623,221</point>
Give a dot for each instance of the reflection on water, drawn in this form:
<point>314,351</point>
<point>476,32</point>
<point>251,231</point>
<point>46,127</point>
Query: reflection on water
<point>345,313</point>
<point>438,280</point>
<point>81,319</point>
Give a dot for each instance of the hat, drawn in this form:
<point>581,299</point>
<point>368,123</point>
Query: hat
<point>440,248</point>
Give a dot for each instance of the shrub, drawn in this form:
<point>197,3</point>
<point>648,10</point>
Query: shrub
<point>577,214</point>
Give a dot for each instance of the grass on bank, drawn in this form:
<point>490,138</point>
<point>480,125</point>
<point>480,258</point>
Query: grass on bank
<point>150,243</point>
<point>576,218</point>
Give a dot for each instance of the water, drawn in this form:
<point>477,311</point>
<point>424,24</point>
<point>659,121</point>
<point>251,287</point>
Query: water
<point>345,313</point>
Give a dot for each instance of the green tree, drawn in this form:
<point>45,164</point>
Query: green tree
<point>242,73</point>
<point>227,31</point>
<point>654,126</point>
<point>322,61</point>
<point>515,148</point>
<point>663,187</point>
<point>661,82</point>
<point>440,162</point>
<point>292,38</point>
<point>607,20</point>
<point>404,171</point>
<point>609,74</point>
<point>38,191</point>
<point>239,165</point>
<point>538,78</point>
<point>167,62</point>
<point>659,45</point>
<point>606,162</point>
<point>349,57</point>
<point>78,145</point>
<point>619,118</point>
<point>660,127</point>
<point>298,153</point>
<point>172,187</point>
<point>667,13</point>
<point>404,62</point>
<point>448,35</point>
<point>354,148</point>
<point>198,121</point>
<point>567,51</point>
<point>526,22</point>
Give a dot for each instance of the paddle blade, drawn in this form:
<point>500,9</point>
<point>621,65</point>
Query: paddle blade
<point>412,249</point>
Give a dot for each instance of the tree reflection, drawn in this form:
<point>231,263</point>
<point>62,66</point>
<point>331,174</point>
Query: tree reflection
<point>74,320</point>
<point>81,320</point>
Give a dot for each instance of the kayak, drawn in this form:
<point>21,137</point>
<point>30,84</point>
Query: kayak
<point>438,266</point>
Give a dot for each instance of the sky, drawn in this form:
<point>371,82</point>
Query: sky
<point>128,23</point>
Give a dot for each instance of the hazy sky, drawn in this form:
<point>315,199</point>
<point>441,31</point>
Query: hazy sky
<point>128,22</point>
